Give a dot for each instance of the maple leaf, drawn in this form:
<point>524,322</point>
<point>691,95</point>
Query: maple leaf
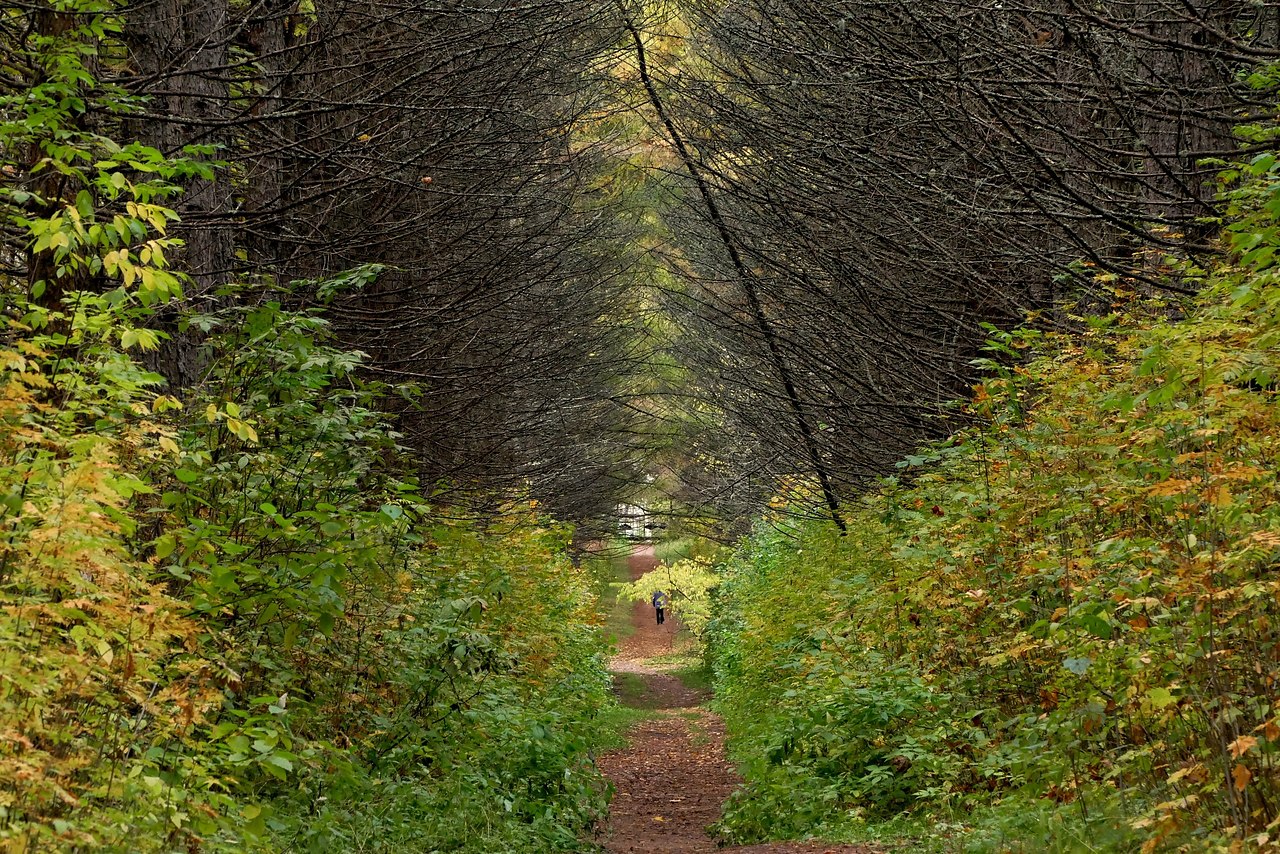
<point>1240,776</point>
<point>1242,745</point>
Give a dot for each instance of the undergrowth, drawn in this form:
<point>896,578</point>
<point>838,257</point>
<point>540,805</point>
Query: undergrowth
<point>235,621</point>
<point>1057,631</point>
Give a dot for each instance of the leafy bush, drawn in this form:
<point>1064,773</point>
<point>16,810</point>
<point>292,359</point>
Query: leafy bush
<point>1069,609</point>
<point>687,584</point>
<point>234,622</point>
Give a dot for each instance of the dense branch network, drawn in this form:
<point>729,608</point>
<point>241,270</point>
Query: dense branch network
<point>851,192</point>
<point>895,176</point>
<point>451,143</point>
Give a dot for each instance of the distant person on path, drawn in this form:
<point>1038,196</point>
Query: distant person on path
<point>660,605</point>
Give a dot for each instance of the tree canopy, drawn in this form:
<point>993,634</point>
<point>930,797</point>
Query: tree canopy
<point>335,332</point>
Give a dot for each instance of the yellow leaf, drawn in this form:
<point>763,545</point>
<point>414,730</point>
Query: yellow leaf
<point>165,402</point>
<point>1173,486</point>
<point>1178,804</point>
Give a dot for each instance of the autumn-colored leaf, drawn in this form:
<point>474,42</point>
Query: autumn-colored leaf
<point>1242,745</point>
<point>1240,776</point>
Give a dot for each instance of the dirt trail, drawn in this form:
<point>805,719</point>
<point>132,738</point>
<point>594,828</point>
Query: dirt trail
<point>647,641</point>
<point>672,778</point>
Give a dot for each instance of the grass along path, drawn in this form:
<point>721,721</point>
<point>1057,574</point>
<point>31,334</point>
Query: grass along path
<point>672,776</point>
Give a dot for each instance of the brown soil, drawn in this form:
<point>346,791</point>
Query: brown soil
<point>672,778</point>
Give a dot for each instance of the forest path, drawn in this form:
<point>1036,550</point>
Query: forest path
<point>673,776</point>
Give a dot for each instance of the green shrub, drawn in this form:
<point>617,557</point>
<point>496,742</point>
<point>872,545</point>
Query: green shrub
<point>234,622</point>
<point>1063,622</point>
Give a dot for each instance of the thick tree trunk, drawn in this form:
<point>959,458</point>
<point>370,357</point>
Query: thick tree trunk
<point>179,53</point>
<point>277,131</point>
<point>1185,115</point>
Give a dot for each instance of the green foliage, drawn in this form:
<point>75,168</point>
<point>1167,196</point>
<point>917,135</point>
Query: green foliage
<point>308,657</point>
<point>687,583</point>
<point>233,622</point>
<point>96,654</point>
<point>89,209</point>
<point>609,570</point>
<point>683,548</point>
<point>474,725</point>
<point>1063,626</point>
